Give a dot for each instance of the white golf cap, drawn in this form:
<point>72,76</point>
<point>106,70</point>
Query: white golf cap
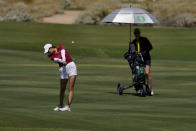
<point>47,46</point>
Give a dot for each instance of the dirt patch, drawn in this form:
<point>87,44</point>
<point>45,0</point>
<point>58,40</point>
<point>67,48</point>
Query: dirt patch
<point>68,17</point>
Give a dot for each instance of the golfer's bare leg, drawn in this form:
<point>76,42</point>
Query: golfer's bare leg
<point>62,90</point>
<point>149,78</point>
<point>71,89</point>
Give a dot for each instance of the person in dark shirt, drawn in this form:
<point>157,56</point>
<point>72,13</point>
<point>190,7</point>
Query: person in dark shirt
<point>144,46</point>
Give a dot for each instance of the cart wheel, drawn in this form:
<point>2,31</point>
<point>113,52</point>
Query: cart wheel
<point>143,92</point>
<point>120,89</point>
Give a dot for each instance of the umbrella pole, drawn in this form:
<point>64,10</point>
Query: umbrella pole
<point>130,34</point>
<point>130,37</point>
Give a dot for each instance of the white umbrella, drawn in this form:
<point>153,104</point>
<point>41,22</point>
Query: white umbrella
<point>130,16</point>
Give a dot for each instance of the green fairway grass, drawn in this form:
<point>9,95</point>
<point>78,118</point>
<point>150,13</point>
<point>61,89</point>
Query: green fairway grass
<point>29,81</point>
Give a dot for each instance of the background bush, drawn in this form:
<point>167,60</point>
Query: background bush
<point>28,10</point>
<point>181,13</point>
<point>76,4</point>
<point>95,12</point>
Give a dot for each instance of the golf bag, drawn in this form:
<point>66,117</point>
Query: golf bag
<point>137,65</point>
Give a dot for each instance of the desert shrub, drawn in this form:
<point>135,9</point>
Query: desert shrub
<point>66,3</point>
<point>172,13</point>
<point>28,1</point>
<point>28,10</point>
<point>1,19</point>
<point>20,5</point>
<point>18,15</point>
<point>130,0</point>
<point>75,4</point>
<point>168,12</point>
<point>2,2</point>
<point>93,15</point>
<point>184,20</point>
<point>97,11</point>
<point>17,12</point>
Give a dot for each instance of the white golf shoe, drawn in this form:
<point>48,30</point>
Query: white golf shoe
<point>56,108</point>
<point>65,108</point>
<point>152,93</point>
<point>62,108</point>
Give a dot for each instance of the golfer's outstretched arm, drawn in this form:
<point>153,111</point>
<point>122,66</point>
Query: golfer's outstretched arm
<point>63,55</point>
<point>57,60</point>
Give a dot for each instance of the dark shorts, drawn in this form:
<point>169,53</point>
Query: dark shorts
<point>147,62</point>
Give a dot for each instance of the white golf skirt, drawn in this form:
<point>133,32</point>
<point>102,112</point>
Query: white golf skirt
<point>68,70</point>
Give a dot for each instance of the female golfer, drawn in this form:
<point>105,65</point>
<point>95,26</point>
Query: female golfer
<point>68,72</point>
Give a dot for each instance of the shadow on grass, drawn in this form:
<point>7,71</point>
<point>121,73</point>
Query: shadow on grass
<point>133,94</point>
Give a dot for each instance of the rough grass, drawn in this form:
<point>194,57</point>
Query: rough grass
<point>29,82</point>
